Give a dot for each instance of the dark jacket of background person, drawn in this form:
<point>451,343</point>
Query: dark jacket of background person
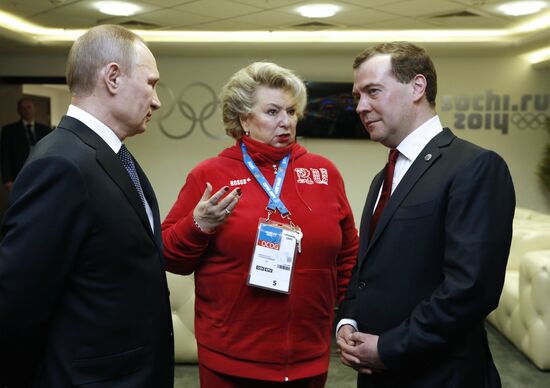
<point>14,147</point>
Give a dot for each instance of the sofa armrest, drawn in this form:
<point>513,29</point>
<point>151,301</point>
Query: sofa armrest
<point>534,291</point>
<point>525,239</point>
<point>182,302</point>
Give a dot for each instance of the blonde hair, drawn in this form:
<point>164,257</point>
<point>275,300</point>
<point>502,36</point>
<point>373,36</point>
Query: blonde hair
<point>238,96</point>
<point>98,47</point>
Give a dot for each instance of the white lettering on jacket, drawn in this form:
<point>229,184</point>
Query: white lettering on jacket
<point>310,176</point>
<point>239,182</point>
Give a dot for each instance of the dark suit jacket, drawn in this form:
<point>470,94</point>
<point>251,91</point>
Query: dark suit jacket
<point>14,147</point>
<point>435,267</point>
<point>82,284</point>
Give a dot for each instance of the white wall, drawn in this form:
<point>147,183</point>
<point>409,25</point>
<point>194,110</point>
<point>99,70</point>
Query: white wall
<point>59,96</point>
<point>167,161</point>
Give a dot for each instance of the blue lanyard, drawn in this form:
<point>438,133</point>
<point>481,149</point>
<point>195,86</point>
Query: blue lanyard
<point>274,192</point>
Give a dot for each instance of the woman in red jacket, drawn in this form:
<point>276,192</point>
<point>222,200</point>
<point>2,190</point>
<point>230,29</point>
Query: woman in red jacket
<point>272,249</point>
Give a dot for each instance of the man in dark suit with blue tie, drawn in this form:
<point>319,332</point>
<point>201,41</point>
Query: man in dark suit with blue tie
<point>17,139</point>
<point>435,236</point>
<point>83,292</point>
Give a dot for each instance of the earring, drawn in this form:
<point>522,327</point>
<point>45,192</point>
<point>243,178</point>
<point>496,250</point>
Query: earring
<point>246,133</point>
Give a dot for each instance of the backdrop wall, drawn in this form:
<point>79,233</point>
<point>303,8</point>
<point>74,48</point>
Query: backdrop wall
<point>498,103</point>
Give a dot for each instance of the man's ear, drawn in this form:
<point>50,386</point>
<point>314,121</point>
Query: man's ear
<point>111,77</point>
<point>419,84</point>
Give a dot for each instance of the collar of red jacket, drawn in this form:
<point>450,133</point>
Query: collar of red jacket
<point>263,153</point>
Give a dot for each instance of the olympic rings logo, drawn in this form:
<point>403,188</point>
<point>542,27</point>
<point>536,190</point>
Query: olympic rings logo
<point>528,120</point>
<point>187,110</point>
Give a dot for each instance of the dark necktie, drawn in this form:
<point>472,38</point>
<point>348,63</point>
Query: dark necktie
<point>30,135</point>
<point>386,190</point>
<point>128,163</point>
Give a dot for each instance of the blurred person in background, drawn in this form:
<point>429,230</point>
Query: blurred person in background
<point>17,139</point>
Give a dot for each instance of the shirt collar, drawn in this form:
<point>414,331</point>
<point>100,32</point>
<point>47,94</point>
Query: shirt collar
<point>97,126</point>
<point>415,142</point>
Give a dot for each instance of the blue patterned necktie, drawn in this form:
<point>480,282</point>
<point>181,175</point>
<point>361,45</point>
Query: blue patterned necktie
<point>128,163</point>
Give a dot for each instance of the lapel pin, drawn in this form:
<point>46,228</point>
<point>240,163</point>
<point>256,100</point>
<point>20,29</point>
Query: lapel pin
<point>427,157</point>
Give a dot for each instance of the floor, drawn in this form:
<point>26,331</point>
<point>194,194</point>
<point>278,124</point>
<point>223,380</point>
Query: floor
<point>516,371</point>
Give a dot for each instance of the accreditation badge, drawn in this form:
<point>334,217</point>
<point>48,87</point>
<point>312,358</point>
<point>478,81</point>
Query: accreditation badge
<point>274,255</point>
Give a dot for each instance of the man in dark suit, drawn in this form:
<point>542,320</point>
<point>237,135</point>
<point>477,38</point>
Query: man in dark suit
<point>17,139</point>
<point>83,292</point>
<point>432,260</point>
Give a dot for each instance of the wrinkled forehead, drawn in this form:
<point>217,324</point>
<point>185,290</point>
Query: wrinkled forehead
<point>268,94</point>
<point>372,70</point>
<point>145,58</point>
<point>143,53</point>
<point>376,64</point>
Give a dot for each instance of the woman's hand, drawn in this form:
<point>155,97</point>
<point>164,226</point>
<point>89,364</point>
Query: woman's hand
<point>212,211</point>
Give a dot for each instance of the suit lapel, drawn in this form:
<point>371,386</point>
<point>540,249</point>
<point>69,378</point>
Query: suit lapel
<point>152,200</point>
<point>110,162</point>
<point>429,155</point>
<point>368,209</point>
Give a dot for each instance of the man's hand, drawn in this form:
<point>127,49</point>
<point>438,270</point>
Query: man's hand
<point>343,337</point>
<point>359,350</point>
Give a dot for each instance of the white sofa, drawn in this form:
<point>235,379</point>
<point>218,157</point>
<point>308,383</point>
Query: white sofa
<point>523,314</point>
<point>182,301</point>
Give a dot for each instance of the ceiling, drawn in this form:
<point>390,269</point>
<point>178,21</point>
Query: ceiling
<point>275,26</point>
